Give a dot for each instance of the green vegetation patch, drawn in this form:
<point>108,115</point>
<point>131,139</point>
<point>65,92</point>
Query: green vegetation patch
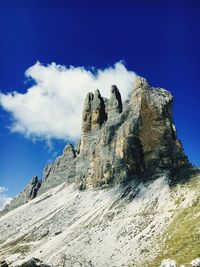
<point>19,245</point>
<point>182,237</point>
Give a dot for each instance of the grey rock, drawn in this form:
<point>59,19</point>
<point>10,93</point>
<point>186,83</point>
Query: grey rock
<point>138,142</point>
<point>62,170</point>
<point>114,105</point>
<point>98,111</point>
<point>86,116</point>
<point>30,262</point>
<point>29,193</point>
<point>35,187</point>
<point>195,262</point>
<point>168,263</point>
<point>93,116</point>
<point>44,233</point>
<point>24,262</point>
<point>3,263</point>
<point>58,232</point>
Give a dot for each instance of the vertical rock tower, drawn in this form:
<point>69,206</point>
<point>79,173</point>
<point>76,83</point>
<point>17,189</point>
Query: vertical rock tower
<point>123,142</point>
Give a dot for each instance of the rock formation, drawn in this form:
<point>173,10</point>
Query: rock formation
<point>129,150</point>
<point>126,142</point>
<point>29,192</point>
<point>24,262</point>
<point>119,142</point>
<point>63,169</point>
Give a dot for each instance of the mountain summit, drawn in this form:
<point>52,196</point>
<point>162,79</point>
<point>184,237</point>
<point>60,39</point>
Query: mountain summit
<point>119,142</point>
<point>110,200</point>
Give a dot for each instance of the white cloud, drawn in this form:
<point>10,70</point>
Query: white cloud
<point>52,107</point>
<point>4,199</point>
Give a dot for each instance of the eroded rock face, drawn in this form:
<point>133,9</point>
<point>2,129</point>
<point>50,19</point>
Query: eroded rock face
<point>94,115</point>
<point>62,170</point>
<point>29,193</point>
<point>114,105</point>
<point>137,140</point>
<point>119,142</point>
<point>157,133</point>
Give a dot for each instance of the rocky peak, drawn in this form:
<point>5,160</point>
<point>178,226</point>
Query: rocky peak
<point>93,112</point>
<point>140,82</point>
<point>157,132</point>
<point>120,141</point>
<point>70,151</point>
<point>93,115</point>
<point>141,141</point>
<point>86,115</point>
<point>98,111</point>
<point>114,106</point>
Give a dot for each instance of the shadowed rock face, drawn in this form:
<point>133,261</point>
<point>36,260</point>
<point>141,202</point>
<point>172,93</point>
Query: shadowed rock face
<point>120,142</point>
<point>29,262</point>
<point>94,114</point>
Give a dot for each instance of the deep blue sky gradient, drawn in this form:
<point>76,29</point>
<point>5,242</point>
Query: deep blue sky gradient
<point>159,40</point>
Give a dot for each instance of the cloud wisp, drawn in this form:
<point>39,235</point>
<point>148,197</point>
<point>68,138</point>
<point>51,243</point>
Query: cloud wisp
<point>51,108</point>
<point>4,199</point>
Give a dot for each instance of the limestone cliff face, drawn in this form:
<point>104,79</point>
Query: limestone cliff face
<point>136,139</point>
<point>157,132</point>
<point>119,142</point>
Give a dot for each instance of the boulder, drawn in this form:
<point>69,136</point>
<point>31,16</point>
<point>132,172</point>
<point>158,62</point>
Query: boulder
<point>195,262</point>
<point>168,263</point>
<point>3,263</point>
<point>29,262</point>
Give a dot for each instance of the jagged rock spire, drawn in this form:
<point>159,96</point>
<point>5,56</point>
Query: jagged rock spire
<point>98,111</point>
<point>94,113</point>
<point>86,115</point>
<point>93,116</point>
<point>114,103</point>
<point>140,82</point>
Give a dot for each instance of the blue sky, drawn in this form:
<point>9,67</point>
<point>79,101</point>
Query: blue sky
<point>159,40</point>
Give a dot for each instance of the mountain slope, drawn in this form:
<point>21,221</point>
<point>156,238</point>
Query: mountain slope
<point>137,225</point>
